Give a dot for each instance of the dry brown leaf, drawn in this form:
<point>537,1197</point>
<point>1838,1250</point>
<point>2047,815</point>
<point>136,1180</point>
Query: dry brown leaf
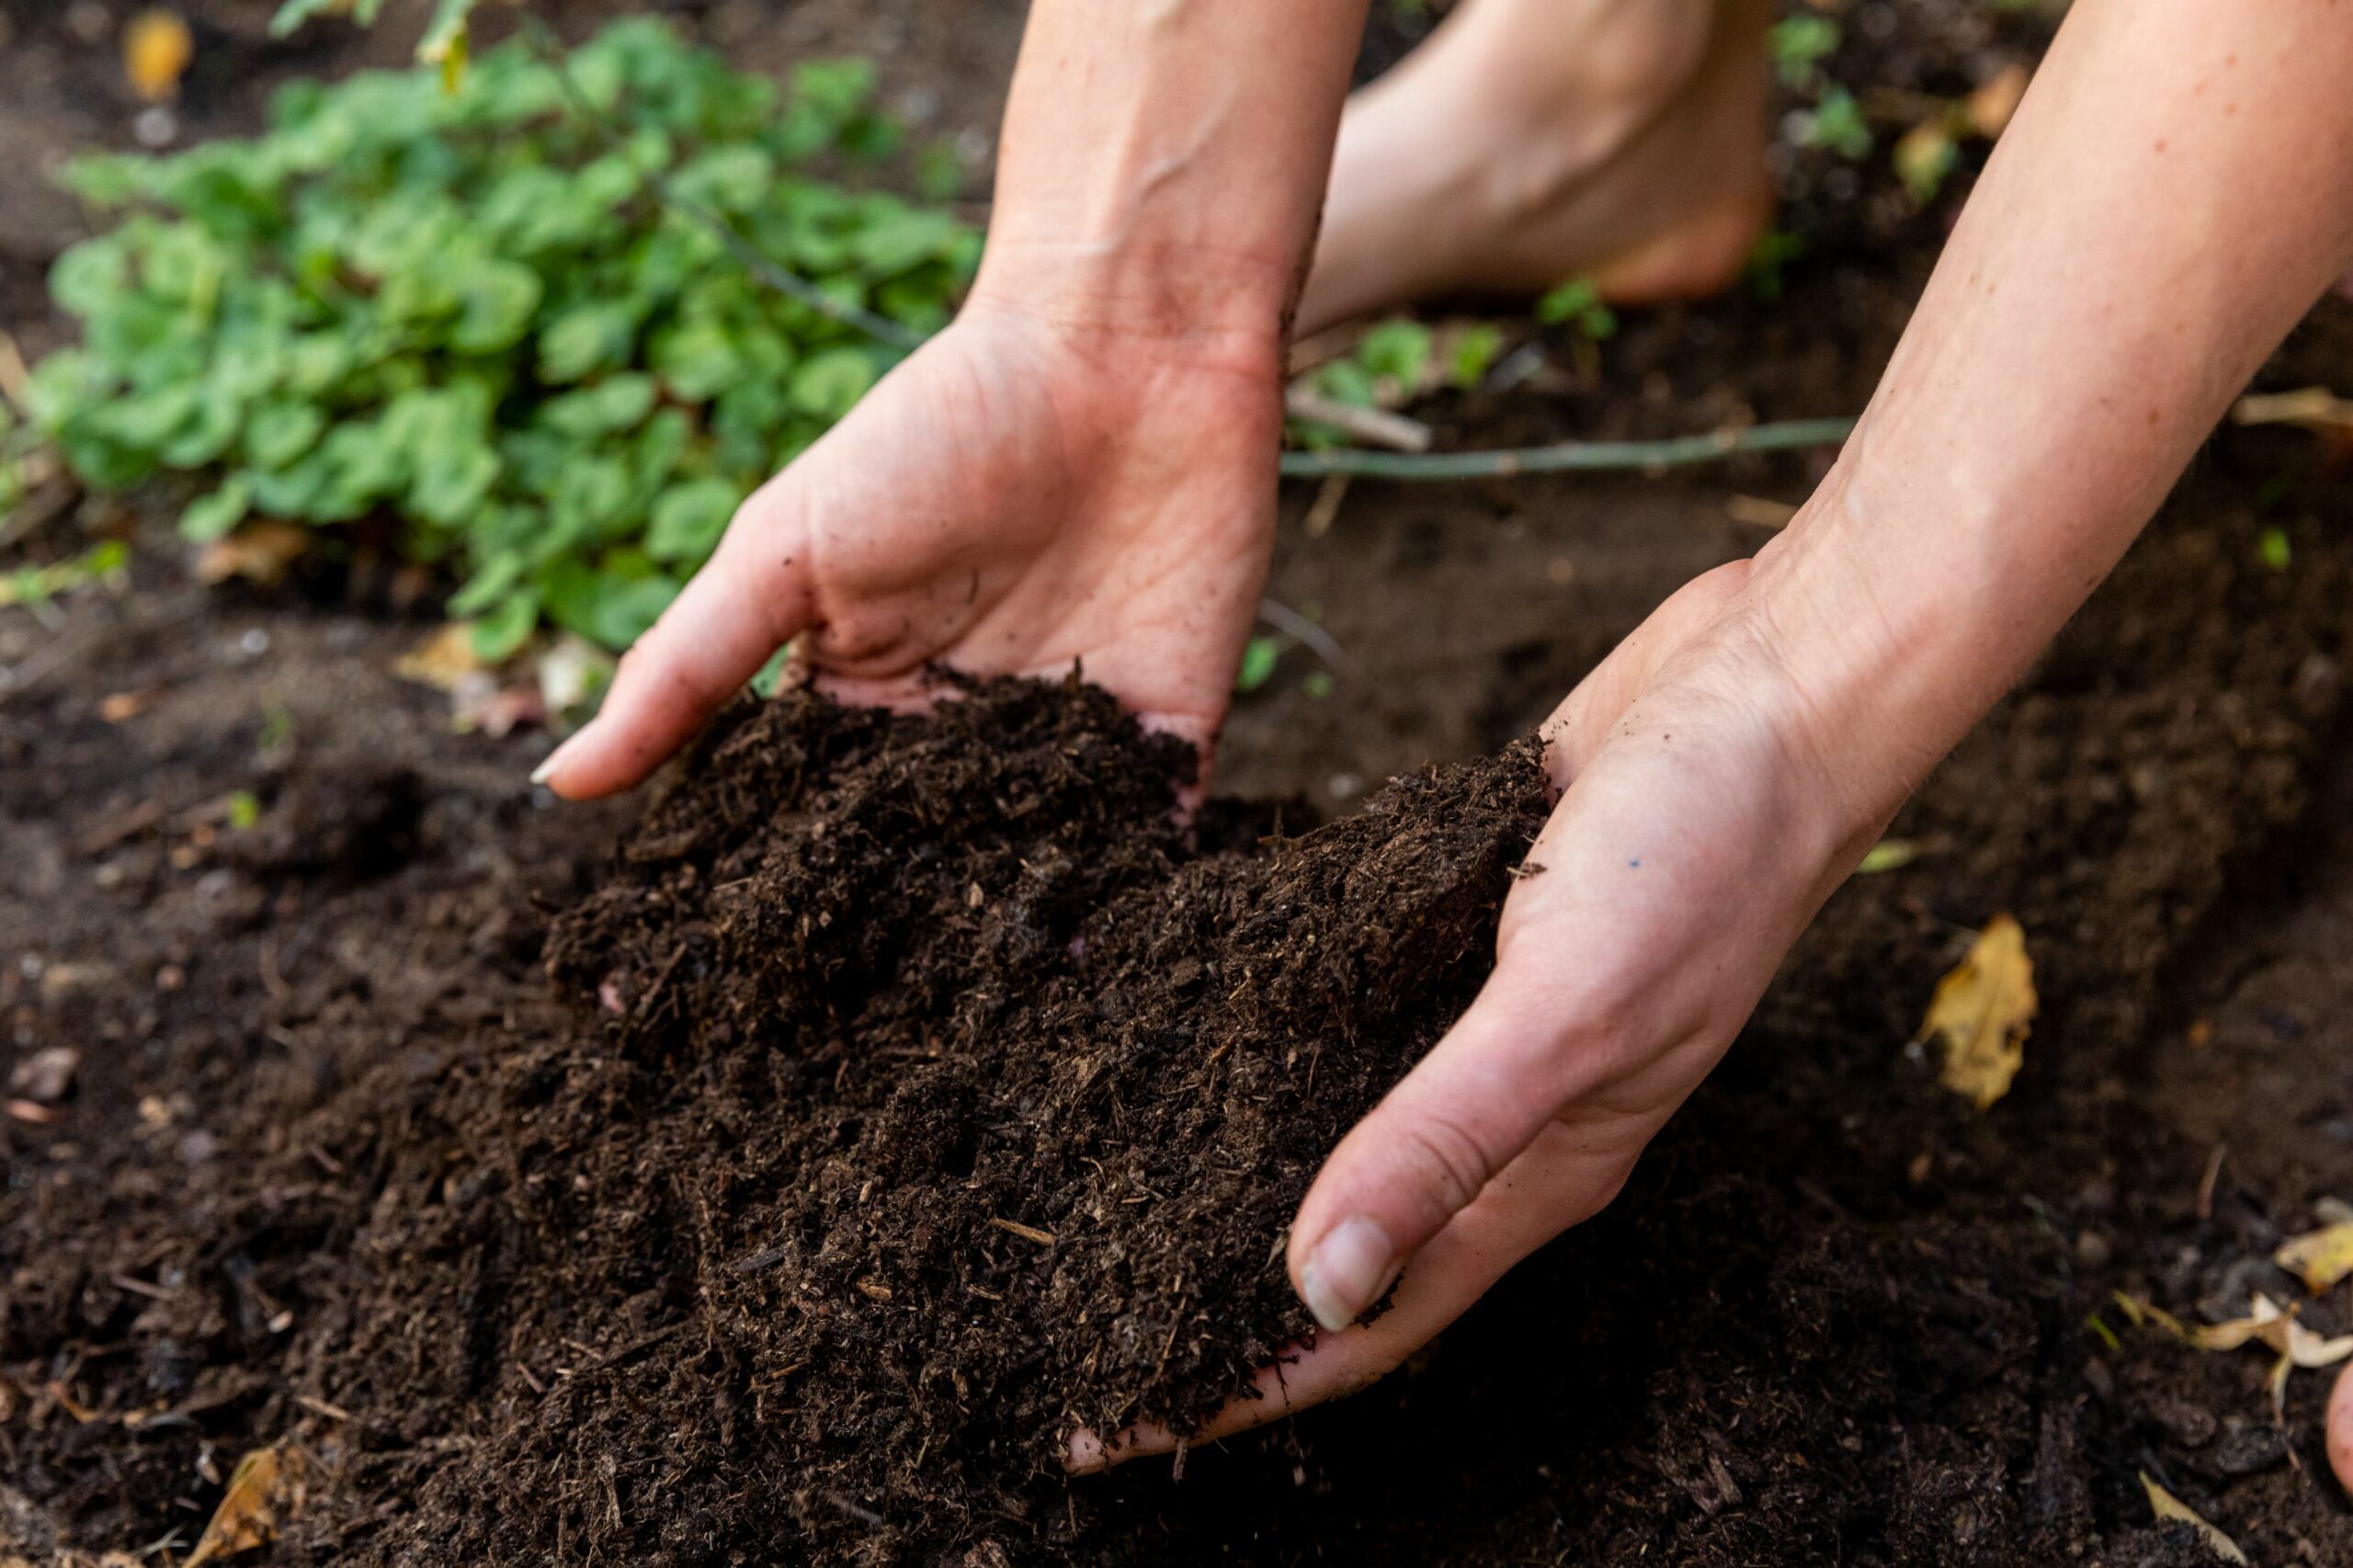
<point>1983,1010</point>
<point>265,1489</point>
<point>259,553</point>
<point>2320,1258</point>
<point>2165,1506</point>
<point>443,661</point>
<point>156,49</point>
<point>1997,99</point>
<point>2267,1323</point>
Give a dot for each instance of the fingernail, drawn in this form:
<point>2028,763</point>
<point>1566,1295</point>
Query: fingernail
<point>546,769</point>
<point>1348,1271</point>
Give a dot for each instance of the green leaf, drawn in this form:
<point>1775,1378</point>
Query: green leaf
<point>698,360</point>
<point>732,180</point>
<point>1837,123</point>
<point>1568,302</point>
<point>688,519</point>
<point>1348,381</point>
<point>452,483</point>
<point>608,609</point>
<point>294,13</point>
<point>214,514</point>
<point>1475,355</point>
<point>1396,351</point>
<point>829,384</point>
<point>616,402</point>
<point>282,431</point>
<point>1799,44</point>
<point>586,340</point>
<point>1259,656</point>
<point>497,302</point>
<point>496,636</point>
<point>489,585</point>
<point>204,440</point>
<point>446,33</point>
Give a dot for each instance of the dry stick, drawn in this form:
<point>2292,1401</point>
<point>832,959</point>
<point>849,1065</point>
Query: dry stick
<point>1583,457</point>
<point>1372,426</point>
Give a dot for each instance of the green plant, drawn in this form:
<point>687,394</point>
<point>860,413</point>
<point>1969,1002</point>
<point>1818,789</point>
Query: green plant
<point>1577,303</point>
<point>38,584</point>
<point>1799,45</point>
<point>513,320</point>
<point>1837,122</point>
<point>2271,547</point>
<point>1768,260</point>
<point>1259,656</point>
<point>1395,361</point>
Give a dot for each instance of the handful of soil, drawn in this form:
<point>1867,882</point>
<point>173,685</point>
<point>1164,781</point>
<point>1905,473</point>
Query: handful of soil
<point>933,1093</point>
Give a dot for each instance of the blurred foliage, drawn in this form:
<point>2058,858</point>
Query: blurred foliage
<point>1395,362</point>
<point>467,312</point>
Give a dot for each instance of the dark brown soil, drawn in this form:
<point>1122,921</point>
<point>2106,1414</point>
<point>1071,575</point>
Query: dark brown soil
<point>930,1099</point>
<point>315,1178</point>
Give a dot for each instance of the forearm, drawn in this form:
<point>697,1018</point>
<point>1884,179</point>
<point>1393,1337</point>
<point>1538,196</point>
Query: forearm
<point>1163,163</point>
<point>2176,191</point>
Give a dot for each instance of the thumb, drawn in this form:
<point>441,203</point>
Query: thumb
<point>749,600</point>
<point>1422,1155</point>
<point>2340,1429</point>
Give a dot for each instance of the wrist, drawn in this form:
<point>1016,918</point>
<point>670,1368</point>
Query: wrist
<point>1888,636</point>
<point>1175,300</point>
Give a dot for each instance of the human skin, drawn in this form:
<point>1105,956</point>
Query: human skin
<point>1080,468</point>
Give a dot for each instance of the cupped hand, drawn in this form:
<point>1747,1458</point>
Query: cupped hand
<point>1698,829</point>
<point>1025,491</point>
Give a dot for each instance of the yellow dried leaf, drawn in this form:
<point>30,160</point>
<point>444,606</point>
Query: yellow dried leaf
<point>261,552</point>
<point>156,49</point>
<point>264,1490</point>
<point>2165,1506</point>
<point>443,661</point>
<point>2320,1258</point>
<point>1982,1010</point>
<point>1997,99</point>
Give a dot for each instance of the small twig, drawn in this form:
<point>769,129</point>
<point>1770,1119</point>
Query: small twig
<point>2314,408</point>
<point>1027,1233</point>
<point>1376,426</point>
<point>1324,510</point>
<point>1304,632</point>
<point>1587,456</point>
<point>16,380</point>
<point>2206,1182</point>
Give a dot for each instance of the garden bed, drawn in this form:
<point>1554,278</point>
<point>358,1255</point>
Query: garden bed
<point>506,1257</point>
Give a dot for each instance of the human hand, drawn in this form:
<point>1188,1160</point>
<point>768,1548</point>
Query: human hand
<point>1701,824</point>
<point>2340,1429</point>
<point>1030,488</point>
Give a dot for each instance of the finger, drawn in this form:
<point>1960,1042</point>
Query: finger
<point>2340,1429</point>
<point>1423,1155</point>
<point>750,599</point>
<point>1557,1183</point>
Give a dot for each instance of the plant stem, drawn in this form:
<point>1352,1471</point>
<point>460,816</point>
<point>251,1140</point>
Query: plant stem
<point>1585,457</point>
